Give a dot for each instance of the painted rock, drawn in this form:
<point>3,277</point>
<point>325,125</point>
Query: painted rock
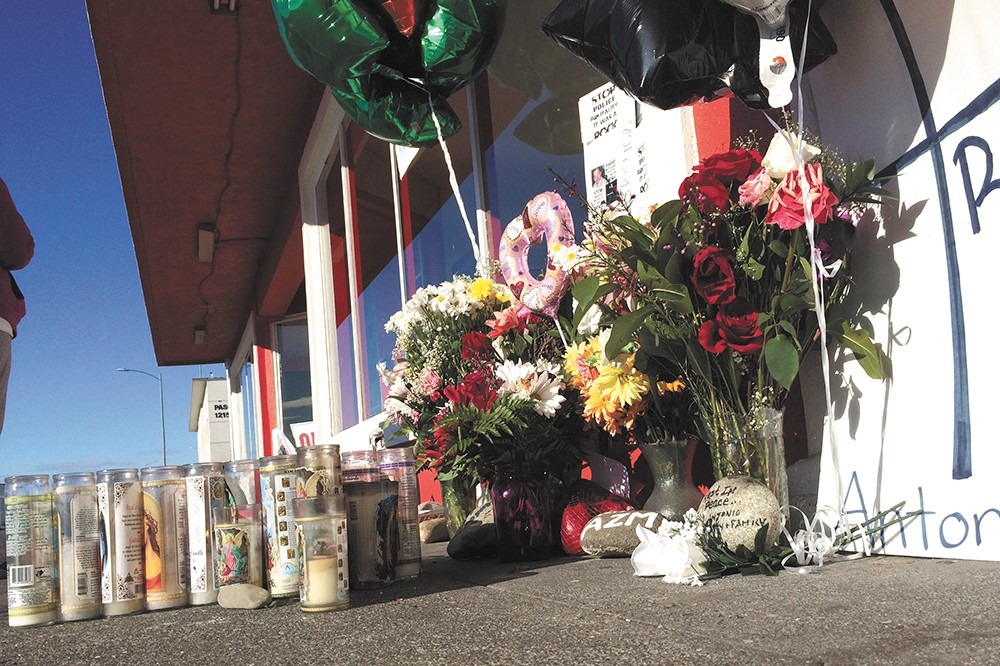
<point>613,534</point>
<point>586,500</point>
<point>738,506</point>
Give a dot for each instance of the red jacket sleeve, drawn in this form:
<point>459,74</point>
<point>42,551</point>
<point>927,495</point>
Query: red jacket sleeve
<point>16,244</point>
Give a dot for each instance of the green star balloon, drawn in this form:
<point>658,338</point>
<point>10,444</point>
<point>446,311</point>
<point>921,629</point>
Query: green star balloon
<point>391,84</point>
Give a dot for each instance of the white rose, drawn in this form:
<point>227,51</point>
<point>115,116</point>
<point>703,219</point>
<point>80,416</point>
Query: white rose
<point>781,154</point>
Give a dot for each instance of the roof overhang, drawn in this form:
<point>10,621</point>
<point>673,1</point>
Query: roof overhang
<point>209,117</point>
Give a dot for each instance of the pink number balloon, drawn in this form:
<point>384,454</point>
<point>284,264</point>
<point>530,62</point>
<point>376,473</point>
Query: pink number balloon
<point>545,217</point>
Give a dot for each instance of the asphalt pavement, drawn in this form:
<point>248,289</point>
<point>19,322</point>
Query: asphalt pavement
<point>877,610</point>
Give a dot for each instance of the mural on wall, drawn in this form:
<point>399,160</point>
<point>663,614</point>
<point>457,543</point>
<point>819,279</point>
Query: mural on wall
<point>927,74</point>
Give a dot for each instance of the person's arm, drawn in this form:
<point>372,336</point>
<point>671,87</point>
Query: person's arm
<point>16,244</point>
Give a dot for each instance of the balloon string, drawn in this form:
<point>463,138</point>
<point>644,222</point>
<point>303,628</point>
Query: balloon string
<point>453,179</point>
<point>818,270</point>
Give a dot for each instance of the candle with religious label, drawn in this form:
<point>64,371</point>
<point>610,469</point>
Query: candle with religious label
<point>321,534</point>
<point>400,466</point>
<point>319,471</point>
<point>121,522</point>
<point>164,493</point>
<point>79,546</point>
<point>32,596</point>
<point>237,545</point>
<point>278,475</point>
<point>206,490</point>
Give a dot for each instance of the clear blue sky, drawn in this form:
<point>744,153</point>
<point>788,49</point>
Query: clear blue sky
<point>68,409</point>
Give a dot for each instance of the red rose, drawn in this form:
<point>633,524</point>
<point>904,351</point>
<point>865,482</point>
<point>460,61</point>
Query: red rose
<point>735,165</point>
<point>786,208</point>
<point>475,345</point>
<point>713,275</point>
<point>705,193</point>
<point>735,326</point>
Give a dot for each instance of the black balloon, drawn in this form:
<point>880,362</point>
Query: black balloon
<point>670,53</point>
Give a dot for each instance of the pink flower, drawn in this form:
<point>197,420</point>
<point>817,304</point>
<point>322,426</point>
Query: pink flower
<point>787,209</point>
<point>754,192</point>
<point>428,383</point>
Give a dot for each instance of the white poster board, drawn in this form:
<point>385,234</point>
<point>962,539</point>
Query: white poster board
<point>633,148</point>
<point>917,83</point>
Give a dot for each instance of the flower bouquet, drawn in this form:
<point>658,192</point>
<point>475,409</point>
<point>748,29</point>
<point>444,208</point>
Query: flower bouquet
<point>477,381</point>
<point>720,291</point>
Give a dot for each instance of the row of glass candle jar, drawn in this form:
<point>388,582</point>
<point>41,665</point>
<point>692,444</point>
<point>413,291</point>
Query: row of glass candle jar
<point>171,536</point>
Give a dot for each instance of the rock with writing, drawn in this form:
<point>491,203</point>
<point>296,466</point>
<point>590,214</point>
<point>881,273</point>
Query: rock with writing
<point>613,534</point>
<point>738,506</point>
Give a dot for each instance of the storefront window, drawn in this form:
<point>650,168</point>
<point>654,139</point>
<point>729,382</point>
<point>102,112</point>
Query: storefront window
<point>293,373</point>
<point>249,402</point>
<point>534,89</point>
<point>377,257</point>
<point>441,247</point>
<point>345,308</point>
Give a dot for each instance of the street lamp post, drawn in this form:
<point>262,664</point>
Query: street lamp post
<point>163,423</point>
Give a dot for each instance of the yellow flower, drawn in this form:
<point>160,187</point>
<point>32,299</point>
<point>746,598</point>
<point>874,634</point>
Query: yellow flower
<point>621,383</point>
<point>482,288</point>
<point>675,386</point>
<point>598,408</point>
<point>503,293</point>
<point>573,352</point>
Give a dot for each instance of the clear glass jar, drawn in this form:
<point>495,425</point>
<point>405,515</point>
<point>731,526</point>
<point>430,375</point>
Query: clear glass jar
<point>321,532</point>
<point>79,547</point>
<point>320,471</point>
<point>242,482</point>
<point>372,528</point>
<point>399,464</point>
<point>32,597</point>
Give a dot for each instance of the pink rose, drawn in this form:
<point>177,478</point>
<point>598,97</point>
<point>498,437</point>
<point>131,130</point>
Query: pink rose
<point>787,209</point>
<point>755,191</point>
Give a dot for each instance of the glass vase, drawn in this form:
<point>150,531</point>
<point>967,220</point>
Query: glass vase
<point>522,513</point>
<point>458,496</point>
<point>750,445</point>
<point>674,490</point>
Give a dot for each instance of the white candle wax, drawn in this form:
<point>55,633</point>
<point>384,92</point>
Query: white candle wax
<point>320,584</point>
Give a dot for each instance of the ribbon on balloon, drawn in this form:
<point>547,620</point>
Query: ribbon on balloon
<point>392,64</point>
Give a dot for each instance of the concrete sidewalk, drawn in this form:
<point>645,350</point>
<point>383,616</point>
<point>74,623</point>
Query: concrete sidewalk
<point>880,610</point>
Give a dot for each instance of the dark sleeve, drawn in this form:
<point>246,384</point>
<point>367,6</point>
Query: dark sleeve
<point>16,244</point>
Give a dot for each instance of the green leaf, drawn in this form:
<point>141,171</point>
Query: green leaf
<point>586,292</point>
<point>666,215</point>
<point>868,353</point>
<point>782,360</point>
<point>623,328</point>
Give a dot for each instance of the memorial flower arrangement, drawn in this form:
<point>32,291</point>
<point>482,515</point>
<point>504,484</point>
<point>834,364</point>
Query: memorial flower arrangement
<point>717,292</point>
<point>476,381</point>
